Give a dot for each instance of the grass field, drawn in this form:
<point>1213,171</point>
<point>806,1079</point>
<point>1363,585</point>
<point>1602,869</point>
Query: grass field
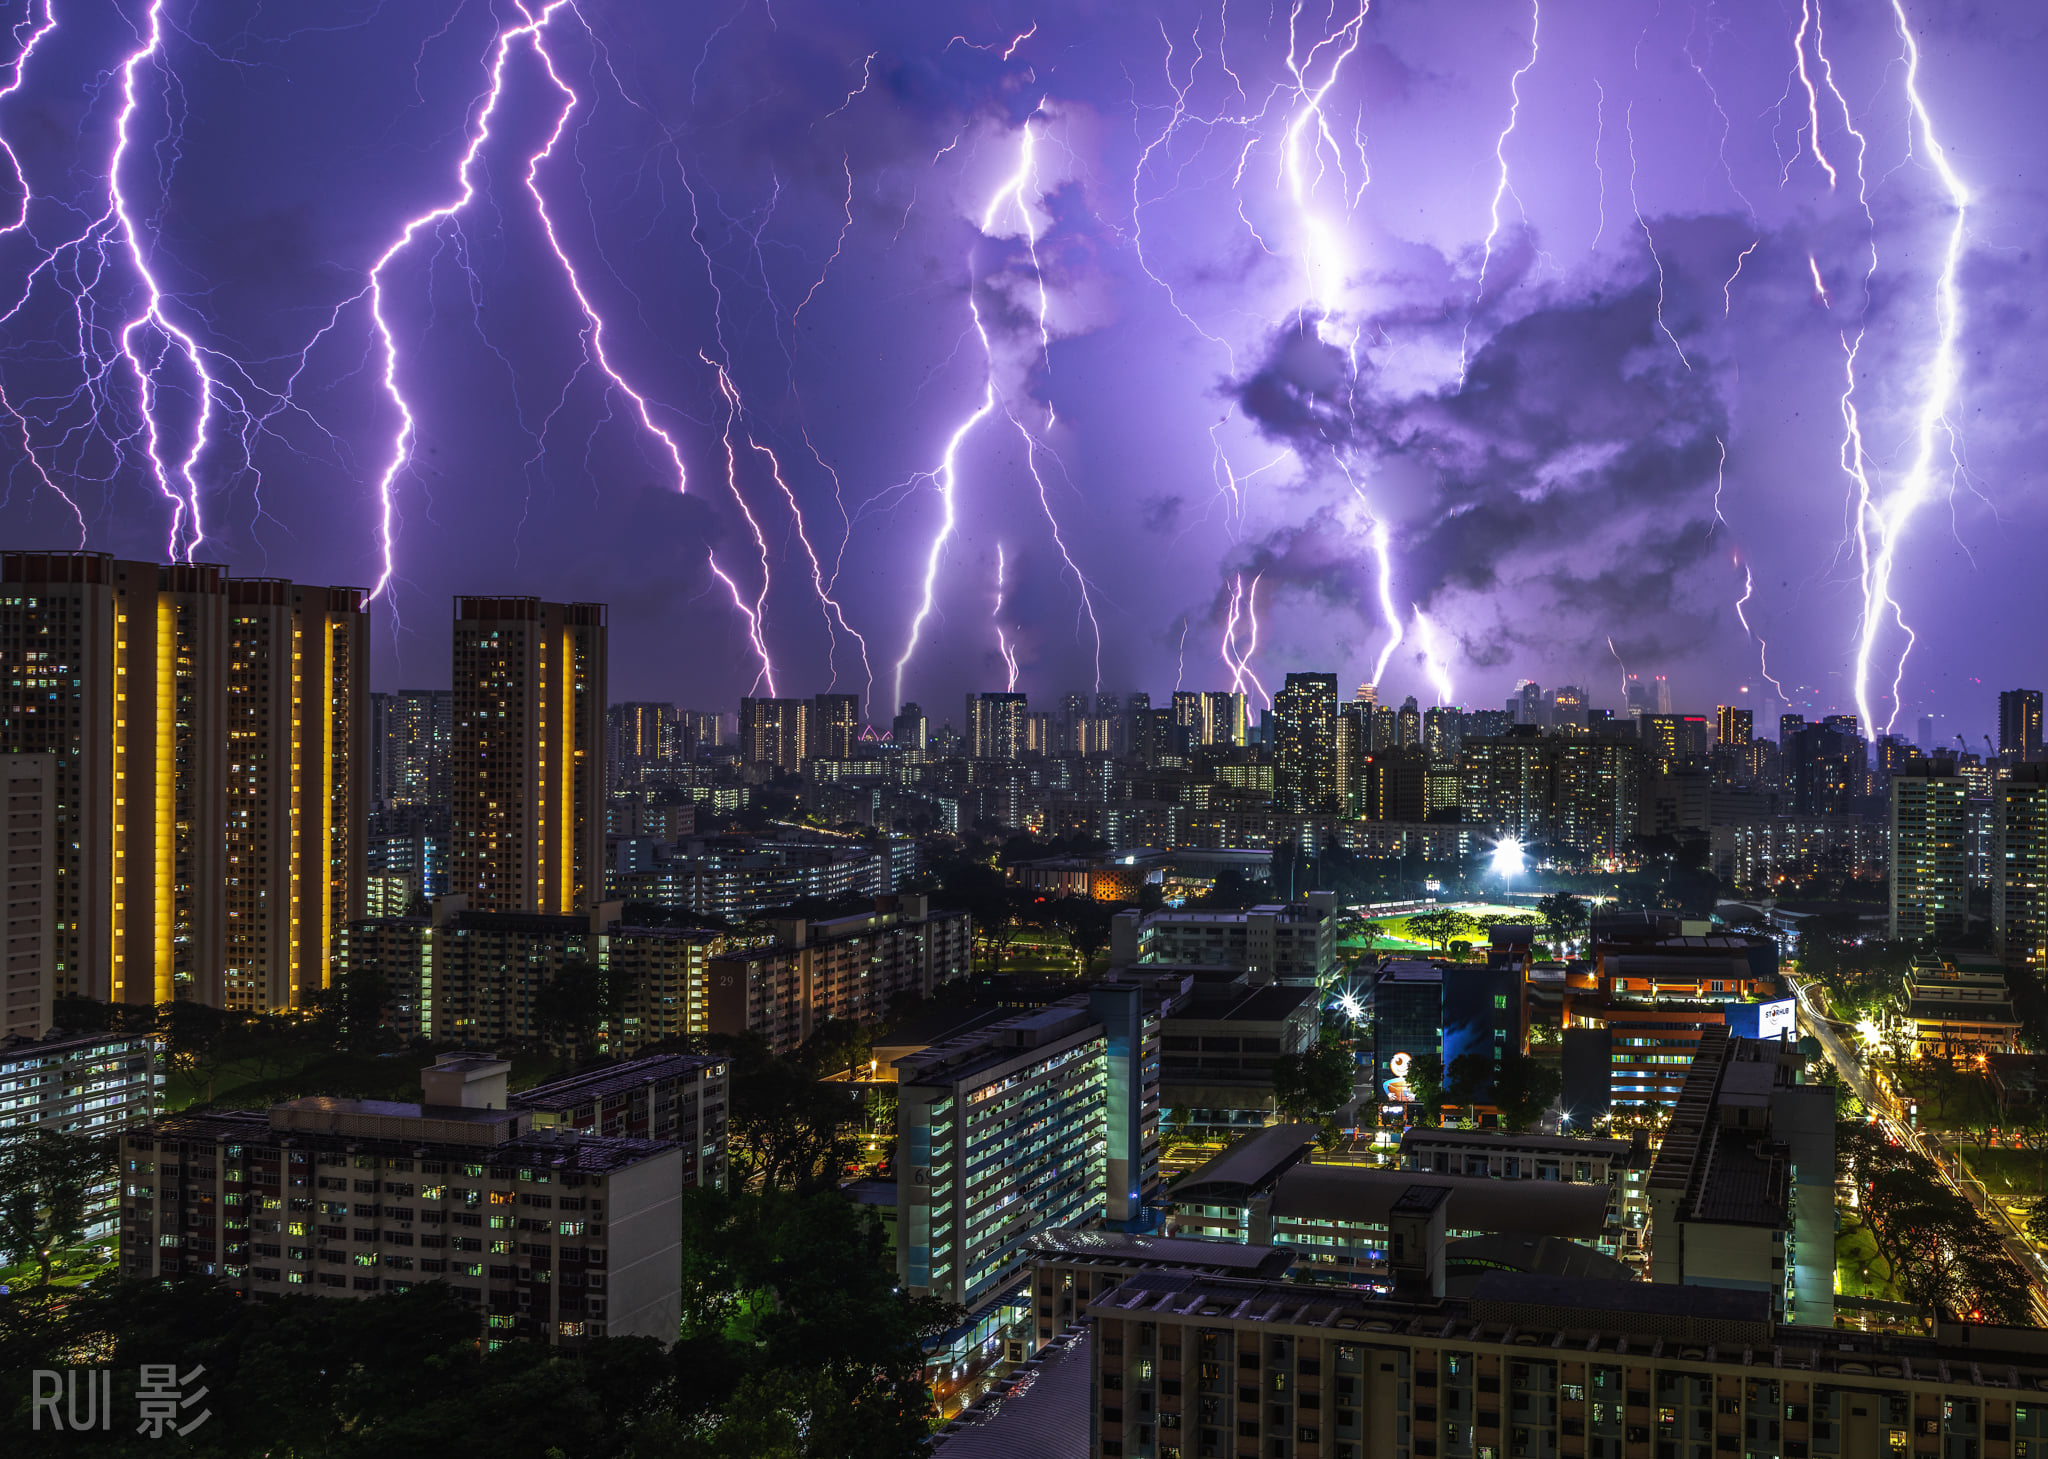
<point>1390,934</point>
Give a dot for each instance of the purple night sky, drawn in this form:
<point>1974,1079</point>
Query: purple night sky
<point>1455,360</point>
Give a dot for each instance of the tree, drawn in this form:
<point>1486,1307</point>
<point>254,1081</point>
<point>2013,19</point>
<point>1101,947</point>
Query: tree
<point>1439,928</point>
<point>574,1004</point>
<point>46,1182</point>
<point>350,1011</point>
<point>1426,1074</point>
<point>1563,914</point>
<point>788,1129</point>
<point>199,1040</point>
<point>1523,1088</point>
<point>1313,1085</point>
<point>1467,1076</point>
<point>1086,923</point>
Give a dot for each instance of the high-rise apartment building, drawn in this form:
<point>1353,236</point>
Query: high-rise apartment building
<point>911,731</point>
<point>2019,723</point>
<point>834,729</point>
<point>1041,1121</point>
<point>2019,868</point>
<point>695,729</point>
<point>1733,726</point>
<point>1307,773</point>
<point>528,815</point>
<point>209,744</point>
<point>1824,763</point>
<point>997,726</point>
<point>1930,888</point>
<point>772,732</point>
<point>27,984</point>
<point>639,735</point>
<point>297,788</point>
<point>412,735</point>
<point>1224,717</point>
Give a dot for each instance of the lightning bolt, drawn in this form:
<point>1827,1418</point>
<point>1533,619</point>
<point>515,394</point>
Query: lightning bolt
<point>1888,522</point>
<point>1808,21</point>
<point>1502,187</point>
<point>1629,126</point>
<point>946,478</point>
<point>1002,640</point>
<point>1741,604</point>
<point>1433,657</point>
<point>1727,296</point>
<point>1244,608</point>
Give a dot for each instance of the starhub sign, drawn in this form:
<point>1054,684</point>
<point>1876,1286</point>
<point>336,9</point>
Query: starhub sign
<point>1764,1020</point>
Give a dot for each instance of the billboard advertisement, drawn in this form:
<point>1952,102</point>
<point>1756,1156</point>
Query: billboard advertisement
<point>1777,1019</point>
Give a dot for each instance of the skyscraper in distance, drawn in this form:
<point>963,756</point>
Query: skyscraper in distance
<point>1307,775</point>
<point>834,727</point>
<point>2019,723</point>
<point>775,732</point>
<point>1733,726</point>
<point>528,815</point>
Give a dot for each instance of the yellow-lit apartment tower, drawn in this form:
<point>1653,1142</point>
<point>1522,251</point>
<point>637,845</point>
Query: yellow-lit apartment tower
<point>528,765</point>
<point>298,784</point>
<point>134,678</point>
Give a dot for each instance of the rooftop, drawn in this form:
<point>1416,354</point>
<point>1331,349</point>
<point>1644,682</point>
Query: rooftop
<point>1362,1195</point>
<point>1501,1140</point>
<point>1248,1165</point>
<point>584,1154</point>
<point>1119,1248</point>
<point>633,1074</point>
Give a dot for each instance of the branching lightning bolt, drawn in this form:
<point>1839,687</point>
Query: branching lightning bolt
<point>1887,522</point>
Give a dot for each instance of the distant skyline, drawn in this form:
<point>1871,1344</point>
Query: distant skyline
<point>1434,346</point>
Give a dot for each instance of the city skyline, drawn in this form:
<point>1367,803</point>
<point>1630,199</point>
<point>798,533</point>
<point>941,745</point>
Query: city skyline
<point>1438,353</point>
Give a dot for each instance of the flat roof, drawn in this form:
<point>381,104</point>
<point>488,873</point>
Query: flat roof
<point>1120,1247</point>
<point>632,1074</point>
<point>1247,1164</point>
<point>1353,1193</point>
<point>1495,1140</point>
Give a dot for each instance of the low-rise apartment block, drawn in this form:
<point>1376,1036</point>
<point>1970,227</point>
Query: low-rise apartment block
<point>1291,943</point>
<point>1185,1365</point>
<point>82,1084</point>
<point>548,1233</point>
<point>842,967</point>
<point>682,1098</point>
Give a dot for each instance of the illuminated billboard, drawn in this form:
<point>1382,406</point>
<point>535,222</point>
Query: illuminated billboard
<point>1778,1019</point>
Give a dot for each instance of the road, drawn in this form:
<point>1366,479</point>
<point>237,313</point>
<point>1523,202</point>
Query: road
<point>1823,1028</point>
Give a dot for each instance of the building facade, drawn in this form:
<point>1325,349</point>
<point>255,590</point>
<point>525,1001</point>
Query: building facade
<point>548,1235</point>
<point>528,777</point>
<point>839,968</point>
<point>82,1084</point>
<point>1290,943</point>
<point>772,733</point>
<point>1042,1121</point>
<point>412,740</point>
<point>680,1098</point>
<point>1930,889</point>
<point>1183,1364</point>
<point>2019,867</point>
<point>209,741</point>
<point>28,986</point>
